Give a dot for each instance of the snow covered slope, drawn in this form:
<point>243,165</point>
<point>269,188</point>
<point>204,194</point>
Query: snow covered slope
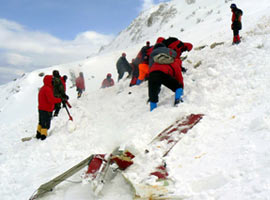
<point>225,156</point>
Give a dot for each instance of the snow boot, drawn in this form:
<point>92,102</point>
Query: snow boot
<point>43,133</point>
<point>152,105</point>
<point>177,101</point>
<point>38,135</point>
<point>238,39</point>
<point>178,95</point>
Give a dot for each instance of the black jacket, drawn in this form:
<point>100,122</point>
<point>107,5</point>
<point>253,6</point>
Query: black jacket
<point>236,19</point>
<point>122,65</point>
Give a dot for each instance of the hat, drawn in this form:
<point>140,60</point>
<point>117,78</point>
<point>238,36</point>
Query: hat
<point>147,43</point>
<point>56,73</point>
<point>233,5</point>
<point>109,75</point>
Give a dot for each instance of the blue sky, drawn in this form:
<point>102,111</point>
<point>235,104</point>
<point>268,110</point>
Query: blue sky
<point>40,33</point>
<point>66,18</point>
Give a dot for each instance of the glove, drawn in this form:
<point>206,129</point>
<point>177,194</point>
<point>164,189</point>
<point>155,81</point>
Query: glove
<point>189,46</point>
<point>184,70</point>
<point>64,103</point>
<point>66,97</point>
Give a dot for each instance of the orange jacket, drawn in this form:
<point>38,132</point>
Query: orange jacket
<point>143,71</point>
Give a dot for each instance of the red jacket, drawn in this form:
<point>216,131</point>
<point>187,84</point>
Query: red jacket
<point>107,83</point>
<point>236,19</point>
<point>46,99</point>
<point>144,54</point>
<point>174,70</point>
<point>180,47</point>
<point>80,83</point>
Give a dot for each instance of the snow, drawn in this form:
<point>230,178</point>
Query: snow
<point>225,156</point>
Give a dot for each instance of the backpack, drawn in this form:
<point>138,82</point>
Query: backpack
<point>163,58</point>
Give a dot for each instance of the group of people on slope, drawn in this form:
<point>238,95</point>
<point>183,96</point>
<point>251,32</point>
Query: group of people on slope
<point>159,64</point>
<point>50,97</point>
<point>53,93</point>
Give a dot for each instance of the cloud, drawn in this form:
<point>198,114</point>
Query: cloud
<point>8,70</point>
<point>17,59</point>
<point>27,50</point>
<point>146,4</point>
<point>8,74</point>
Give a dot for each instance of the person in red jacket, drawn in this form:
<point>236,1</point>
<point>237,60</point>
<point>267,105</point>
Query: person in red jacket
<point>46,101</point>
<point>108,81</point>
<point>168,74</point>
<point>80,84</point>
<point>236,23</point>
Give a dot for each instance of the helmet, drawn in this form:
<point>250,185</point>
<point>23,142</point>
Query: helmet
<point>56,73</point>
<point>109,75</point>
<point>148,43</point>
<point>124,54</point>
<point>233,5</point>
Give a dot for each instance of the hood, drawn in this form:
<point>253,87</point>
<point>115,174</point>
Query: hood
<point>47,80</point>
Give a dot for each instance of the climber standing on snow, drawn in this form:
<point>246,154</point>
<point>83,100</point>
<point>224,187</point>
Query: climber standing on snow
<point>46,102</point>
<point>236,23</point>
<point>123,66</point>
<point>80,87</point>
<point>58,91</point>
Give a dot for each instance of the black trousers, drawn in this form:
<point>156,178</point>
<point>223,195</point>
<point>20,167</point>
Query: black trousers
<point>235,32</point>
<point>158,78</point>
<point>44,119</point>
<point>80,91</point>
<point>120,75</point>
